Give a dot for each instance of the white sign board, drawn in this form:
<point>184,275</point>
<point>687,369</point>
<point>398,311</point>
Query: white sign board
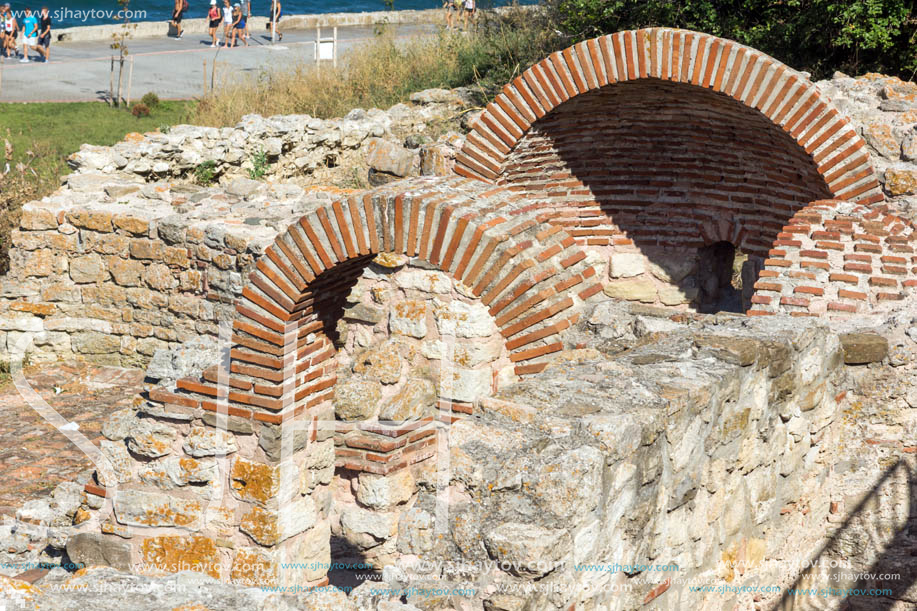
<point>326,49</point>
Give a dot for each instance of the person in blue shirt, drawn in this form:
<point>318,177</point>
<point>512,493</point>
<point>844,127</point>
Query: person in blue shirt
<point>29,34</point>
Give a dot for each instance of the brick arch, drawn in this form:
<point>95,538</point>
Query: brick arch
<point>757,81</point>
<point>839,258</point>
<point>532,277</point>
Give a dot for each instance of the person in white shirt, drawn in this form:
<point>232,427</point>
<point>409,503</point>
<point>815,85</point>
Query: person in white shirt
<point>469,11</point>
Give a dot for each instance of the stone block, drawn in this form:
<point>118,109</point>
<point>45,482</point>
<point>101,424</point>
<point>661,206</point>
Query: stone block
<point>625,265</point>
<point>463,319</point>
<point>209,442</point>
<point>150,438</point>
<point>125,272</point>
<point>632,289</point>
<point>94,549</point>
<point>389,157</point>
<point>253,481</point>
<point>173,554</point>
<point>409,317</point>
<point>175,471</point>
<point>863,348</point>
<point>385,491</point>
<point>272,527</point>
<point>89,268</point>
<point>357,398</point>
<point>93,342</point>
<point>529,549</point>
<point>901,181</point>
<point>143,508</point>
<point>410,402</point>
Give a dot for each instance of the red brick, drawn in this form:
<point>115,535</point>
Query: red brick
<point>845,294</point>
<point>794,301</point>
<point>843,278</point>
<point>841,307</point>
<point>879,281</point>
<point>810,290</point>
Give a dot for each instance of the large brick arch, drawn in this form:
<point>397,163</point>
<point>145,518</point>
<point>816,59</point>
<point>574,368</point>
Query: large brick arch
<point>775,92</point>
<point>531,277</point>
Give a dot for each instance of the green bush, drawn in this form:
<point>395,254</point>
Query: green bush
<point>205,173</point>
<point>819,36</point>
<point>151,100</point>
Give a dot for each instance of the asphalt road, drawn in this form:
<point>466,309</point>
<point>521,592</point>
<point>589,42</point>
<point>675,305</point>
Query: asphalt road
<point>173,69</point>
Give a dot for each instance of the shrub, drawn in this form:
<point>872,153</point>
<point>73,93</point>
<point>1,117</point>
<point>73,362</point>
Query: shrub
<point>259,165</point>
<point>205,173</point>
<point>150,99</point>
<point>819,36</point>
<point>140,110</point>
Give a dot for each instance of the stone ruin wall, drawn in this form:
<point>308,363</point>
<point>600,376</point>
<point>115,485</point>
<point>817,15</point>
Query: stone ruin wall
<point>335,323</point>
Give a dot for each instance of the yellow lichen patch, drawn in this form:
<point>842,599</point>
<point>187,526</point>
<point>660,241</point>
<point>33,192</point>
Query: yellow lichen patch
<point>192,607</point>
<point>262,526</point>
<point>171,554</point>
<point>253,568</point>
<point>254,481</point>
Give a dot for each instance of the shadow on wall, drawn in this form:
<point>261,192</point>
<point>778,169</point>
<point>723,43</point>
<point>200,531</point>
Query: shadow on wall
<point>673,167</point>
<point>884,521</point>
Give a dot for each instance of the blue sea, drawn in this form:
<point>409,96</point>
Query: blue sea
<point>95,12</point>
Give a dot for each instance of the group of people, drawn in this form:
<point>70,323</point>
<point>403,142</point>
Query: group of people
<point>464,8</point>
<point>234,19</point>
<point>35,30</point>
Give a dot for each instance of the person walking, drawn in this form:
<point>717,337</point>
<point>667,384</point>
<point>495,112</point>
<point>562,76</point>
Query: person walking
<point>451,7</point>
<point>276,14</point>
<point>180,7</point>
<point>470,11</point>
<point>215,17</point>
<point>44,34</point>
<point>10,28</point>
<point>238,24</point>
<point>248,16</point>
<point>227,23</point>
<point>29,35</point>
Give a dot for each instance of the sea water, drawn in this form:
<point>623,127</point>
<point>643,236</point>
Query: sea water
<point>69,13</point>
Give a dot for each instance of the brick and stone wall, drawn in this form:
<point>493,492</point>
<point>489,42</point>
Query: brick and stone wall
<point>836,256</point>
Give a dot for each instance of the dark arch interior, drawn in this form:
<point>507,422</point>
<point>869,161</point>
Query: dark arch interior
<point>673,167</point>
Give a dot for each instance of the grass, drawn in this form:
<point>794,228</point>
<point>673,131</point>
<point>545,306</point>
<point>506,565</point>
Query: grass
<point>384,72</point>
<point>40,137</point>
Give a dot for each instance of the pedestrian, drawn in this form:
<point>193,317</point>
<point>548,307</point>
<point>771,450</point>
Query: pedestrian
<point>44,34</point>
<point>10,27</point>
<point>180,7</point>
<point>276,14</point>
<point>227,22</point>
<point>451,7</point>
<point>29,35</point>
<point>248,16</point>
<point>215,17</point>
<point>470,11</point>
<point>238,24</point>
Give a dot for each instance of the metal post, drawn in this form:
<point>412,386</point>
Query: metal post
<point>318,42</point>
<point>205,77</point>
<point>334,48</point>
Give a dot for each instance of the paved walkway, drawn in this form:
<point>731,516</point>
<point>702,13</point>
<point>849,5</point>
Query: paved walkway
<point>34,456</point>
<point>171,68</point>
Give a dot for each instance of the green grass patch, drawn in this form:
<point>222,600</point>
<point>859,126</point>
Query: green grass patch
<point>36,139</point>
<point>60,128</point>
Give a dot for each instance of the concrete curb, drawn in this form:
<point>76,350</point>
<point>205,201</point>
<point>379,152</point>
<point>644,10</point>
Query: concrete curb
<point>152,29</point>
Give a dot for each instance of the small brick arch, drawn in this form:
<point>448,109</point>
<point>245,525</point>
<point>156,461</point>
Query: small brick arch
<point>839,258</point>
<point>754,79</point>
<point>532,277</point>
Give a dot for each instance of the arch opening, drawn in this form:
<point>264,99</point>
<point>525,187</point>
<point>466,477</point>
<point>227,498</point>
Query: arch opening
<point>671,170</point>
